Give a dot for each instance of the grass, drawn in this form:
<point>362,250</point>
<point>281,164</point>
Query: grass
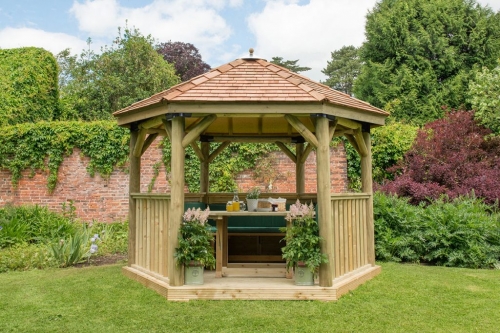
<point>404,298</point>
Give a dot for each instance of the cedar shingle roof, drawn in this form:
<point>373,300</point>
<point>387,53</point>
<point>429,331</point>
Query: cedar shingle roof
<point>252,80</point>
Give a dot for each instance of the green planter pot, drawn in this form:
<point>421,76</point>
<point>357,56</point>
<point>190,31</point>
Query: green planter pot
<point>193,274</point>
<point>303,276</point>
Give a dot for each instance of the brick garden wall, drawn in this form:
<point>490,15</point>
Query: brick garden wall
<point>106,200</point>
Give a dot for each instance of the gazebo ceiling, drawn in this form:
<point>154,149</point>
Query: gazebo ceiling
<point>251,96</point>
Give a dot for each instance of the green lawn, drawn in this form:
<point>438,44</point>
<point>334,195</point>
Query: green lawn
<point>404,298</point>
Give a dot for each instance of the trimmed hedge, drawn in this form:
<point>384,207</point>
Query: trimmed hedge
<point>28,86</point>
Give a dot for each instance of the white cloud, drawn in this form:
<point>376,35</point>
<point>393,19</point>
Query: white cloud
<point>308,32</point>
<point>53,42</point>
<point>191,21</point>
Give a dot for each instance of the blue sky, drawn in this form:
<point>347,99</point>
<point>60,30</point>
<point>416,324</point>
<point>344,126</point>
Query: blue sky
<point>222,30</point>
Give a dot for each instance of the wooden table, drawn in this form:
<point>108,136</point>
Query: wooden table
<point>221,218</point>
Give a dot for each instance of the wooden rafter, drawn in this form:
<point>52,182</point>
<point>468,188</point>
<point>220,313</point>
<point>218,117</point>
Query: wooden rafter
<point>348,123</point>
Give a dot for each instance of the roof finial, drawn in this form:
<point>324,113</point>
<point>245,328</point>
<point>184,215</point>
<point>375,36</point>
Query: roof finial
<point>251,52</point>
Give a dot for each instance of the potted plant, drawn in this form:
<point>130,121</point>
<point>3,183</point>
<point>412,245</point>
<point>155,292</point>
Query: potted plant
<point>252,199</point>
<point>302,251</point>
<point>195,250</point>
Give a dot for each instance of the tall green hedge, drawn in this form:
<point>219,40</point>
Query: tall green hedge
<point>28,86</point>
<point>45,144</point>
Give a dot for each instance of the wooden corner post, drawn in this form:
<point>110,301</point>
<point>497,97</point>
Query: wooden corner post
<point>175,272</point>
<point>367,187</point>
<point>300,179</point>
<point>134,186</point>
<point>324,200</point>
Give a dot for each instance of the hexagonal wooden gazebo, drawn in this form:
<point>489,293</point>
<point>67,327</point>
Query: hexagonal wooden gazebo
<point>251,100</point>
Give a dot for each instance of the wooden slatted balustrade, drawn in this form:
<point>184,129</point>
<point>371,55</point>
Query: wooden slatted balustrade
<point>350,233</point>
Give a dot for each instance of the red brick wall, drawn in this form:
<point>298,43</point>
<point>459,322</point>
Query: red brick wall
<point>106,200</point>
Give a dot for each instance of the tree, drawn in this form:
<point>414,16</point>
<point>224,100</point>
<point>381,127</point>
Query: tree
<point>185,58</point>
<point>418,55</point>
<point>452,156</point>
<point>28,86</point>
<point>343,69</point>
<point>93,86</point>
<point>484,90</point>
<point>289,64</point>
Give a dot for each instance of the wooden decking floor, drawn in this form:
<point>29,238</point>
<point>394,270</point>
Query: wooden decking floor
<point>254,287</point>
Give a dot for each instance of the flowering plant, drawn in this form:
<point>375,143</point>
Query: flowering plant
<point>253,193</point>
<point>195,239</point>
<point>302,238</point>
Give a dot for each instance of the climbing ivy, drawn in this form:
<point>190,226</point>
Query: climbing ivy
<point>236,158</point>
<point>43,146</point>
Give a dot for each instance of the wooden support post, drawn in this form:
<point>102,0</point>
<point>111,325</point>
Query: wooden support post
<point>305,153</point>
<point>324,200</point>
<point>300,180</point>
<point>175,272</point>
<point>204,183</point>
<point>134,186</point>
<point>366,187</point>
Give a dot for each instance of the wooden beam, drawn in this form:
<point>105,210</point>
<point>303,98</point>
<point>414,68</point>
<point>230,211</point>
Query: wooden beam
<point>175,272</point>
<point>363,151</point>
<point>324,205</point>
<point>348,123</point>
<point>302,129</point>
<point>134,186</point>
<point>197,130</point>
<point>149,140</point>
<point>140,142</point>
<point>353,142</point>
<point>168,128</point>
<point>197,151</point>
<point>287,151</point>
<point>305,153</point>
<point>367,187</point>
<point>217,151</point>
<point>253,139</point>
<point>152,122</point>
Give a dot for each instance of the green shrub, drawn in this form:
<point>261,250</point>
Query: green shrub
<point>28,86</point>
<point>32,224</point>
<point>389,145</point>
<point>462,233</point>
<point>72,250</point>
<point>22,257</point>
<point>113,237</point>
